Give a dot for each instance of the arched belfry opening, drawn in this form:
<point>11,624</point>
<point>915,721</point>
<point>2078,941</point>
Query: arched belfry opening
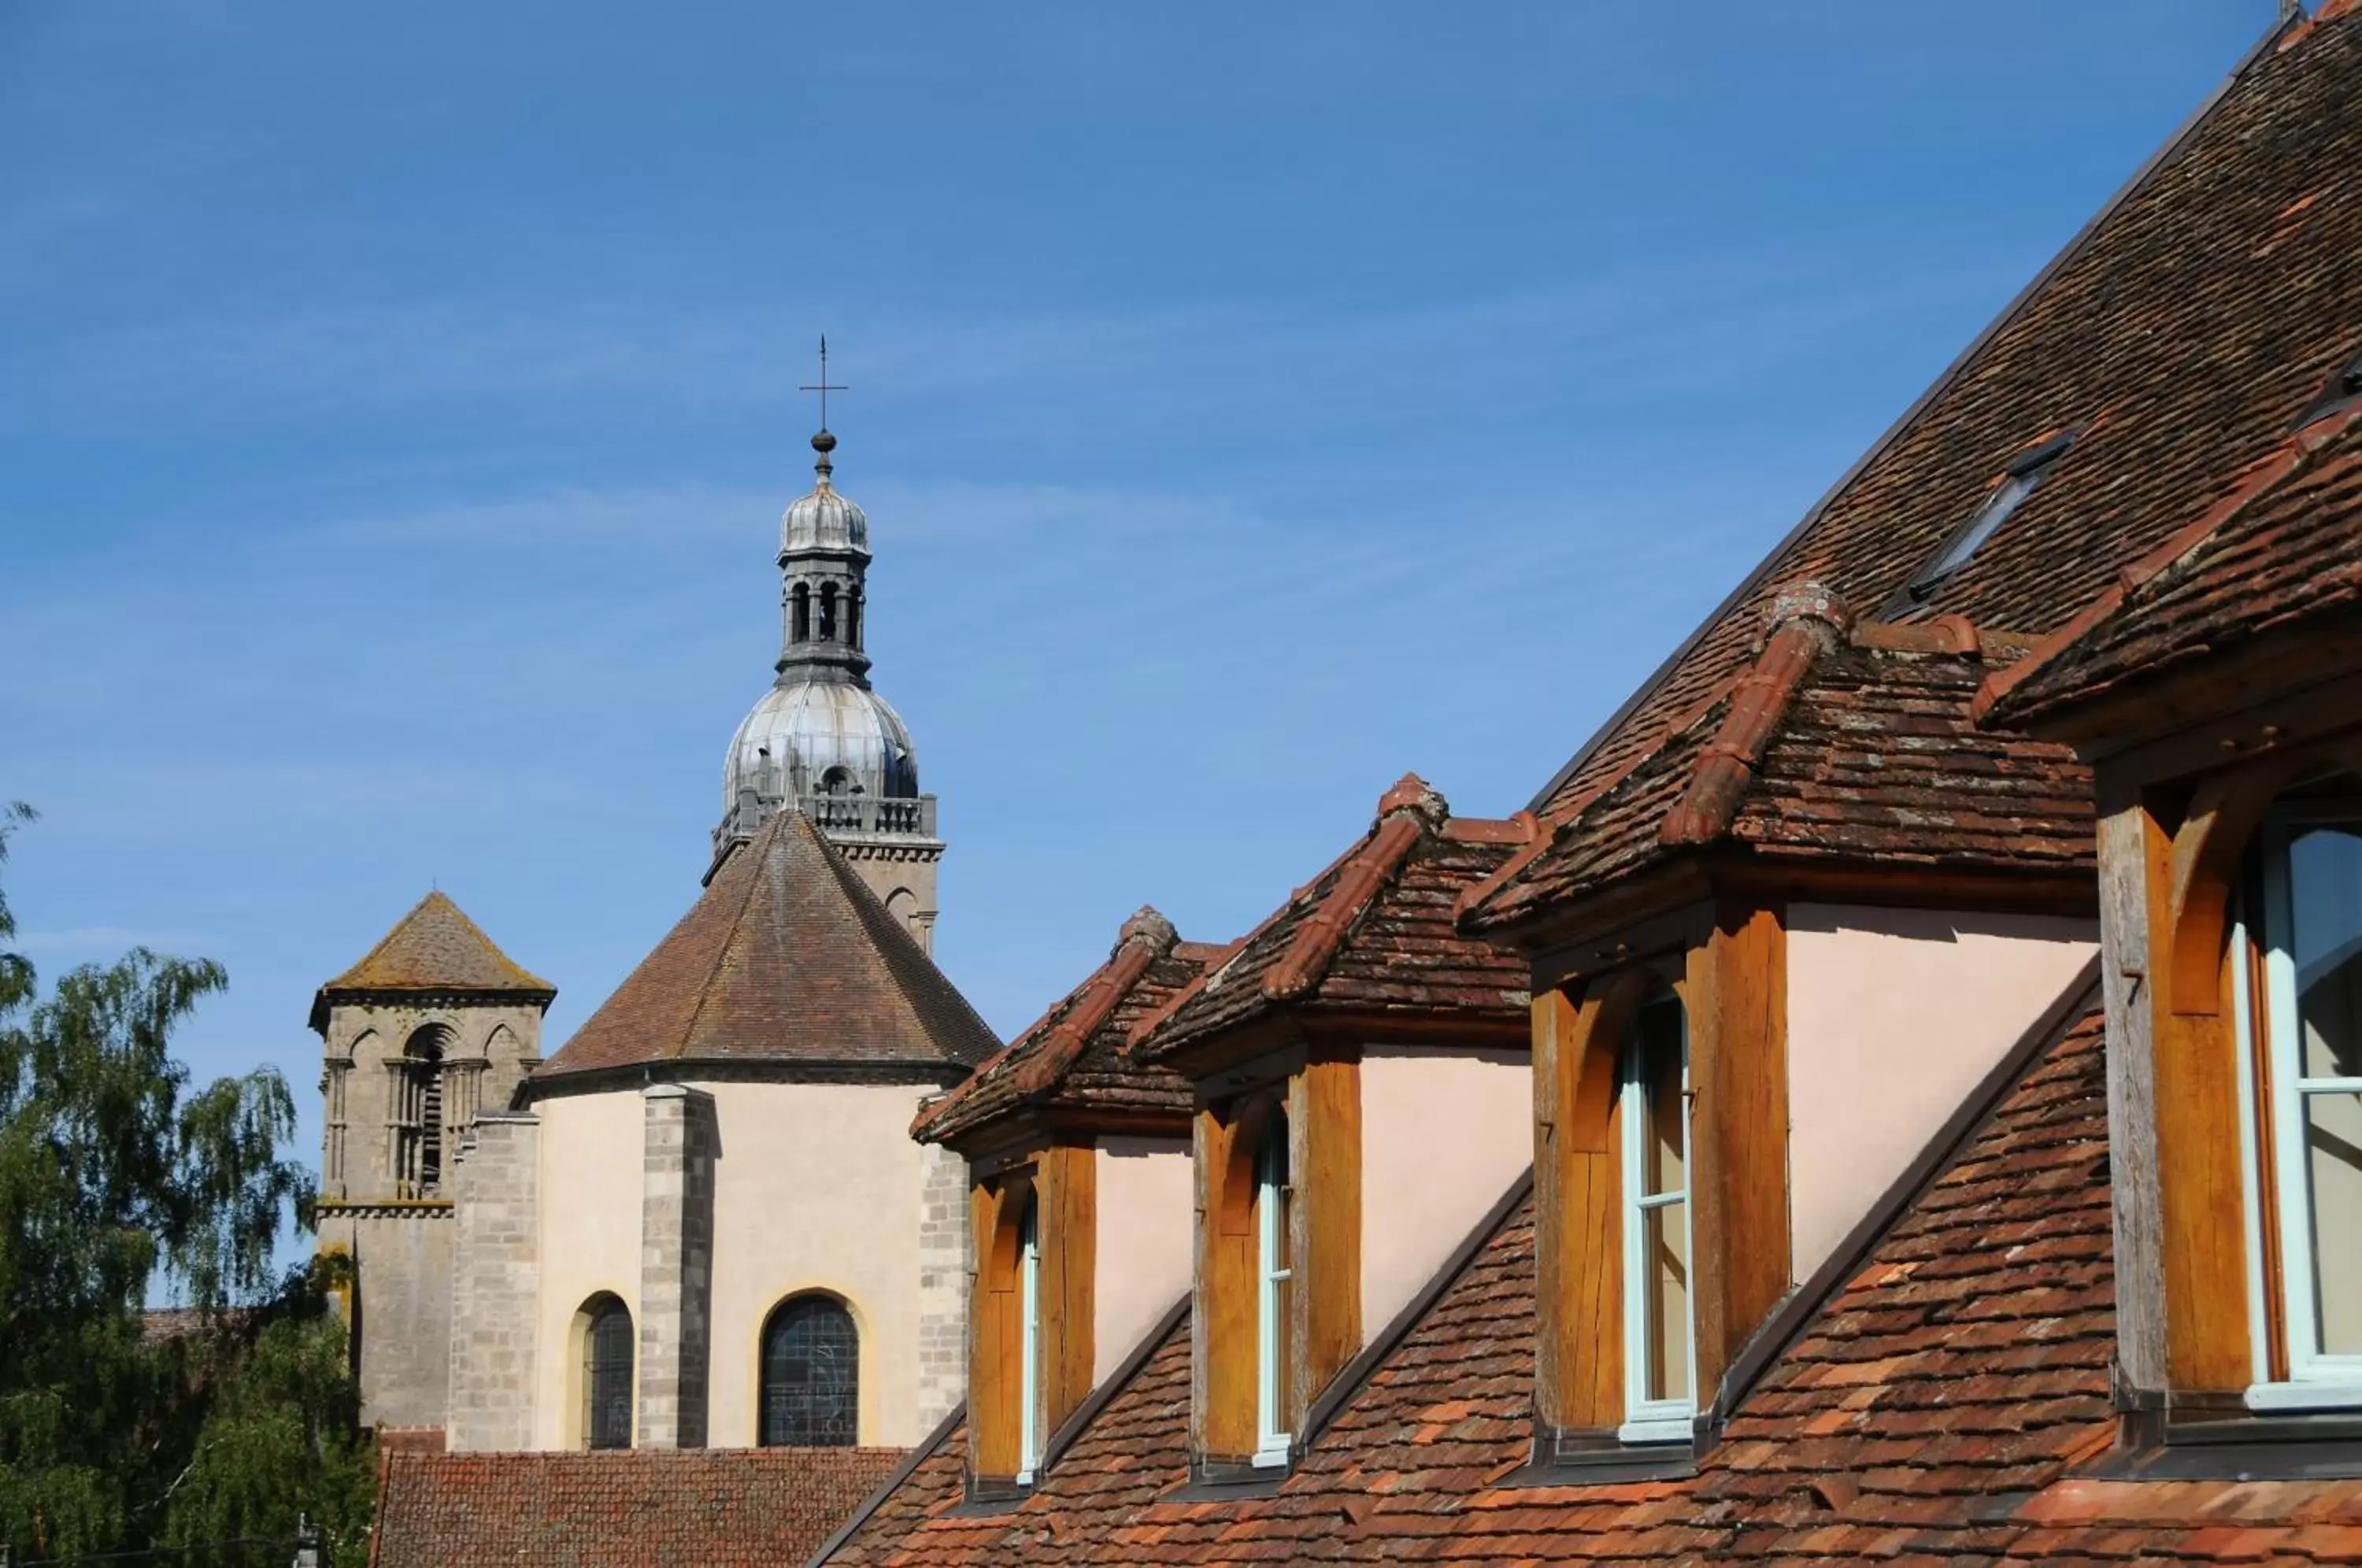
<point>419,1128</point>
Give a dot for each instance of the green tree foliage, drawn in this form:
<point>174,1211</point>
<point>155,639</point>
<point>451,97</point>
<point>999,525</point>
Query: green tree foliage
<point>120,1179</point>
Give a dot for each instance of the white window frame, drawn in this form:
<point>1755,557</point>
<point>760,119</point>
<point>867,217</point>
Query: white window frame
<point>1028,1308</point>
<point>2315,1381</point>
<point>1647,1419</point>
<point>1272,1173</point>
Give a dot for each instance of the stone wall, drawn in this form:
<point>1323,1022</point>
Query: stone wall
<point>676,1265</point>
<point>943,1265</point>
<point>496,1285</point>
<point>400,1306</point>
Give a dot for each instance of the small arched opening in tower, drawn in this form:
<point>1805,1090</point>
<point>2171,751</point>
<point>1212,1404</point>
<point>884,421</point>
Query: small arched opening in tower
<point>418,1112</point>
<point>828,611</point>
<point>799,613</point>
<point>853,618</point>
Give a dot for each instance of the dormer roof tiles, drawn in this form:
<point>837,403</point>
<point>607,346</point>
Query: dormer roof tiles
<point>2283,547</point>
<point>1371,935</point>
<point>1076,1057</point>
<point>2180,335</point>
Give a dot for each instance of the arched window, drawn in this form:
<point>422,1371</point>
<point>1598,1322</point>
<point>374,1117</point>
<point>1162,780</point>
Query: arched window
<point>811,1376</point>
<point>418,1112</point>
<point>1029,1307</point>
<point>1654,1112</point>
<point>1275,1283</point>
<point>2297,1006</point>
<point>799,613</point>
<point>853,617</point>
<point>828,611</point>
<point>607,1351</point>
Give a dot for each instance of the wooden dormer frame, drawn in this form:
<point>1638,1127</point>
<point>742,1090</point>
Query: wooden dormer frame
<point>1731,981</point>
<point>1061,1181</point>
<point>1321,1101</point>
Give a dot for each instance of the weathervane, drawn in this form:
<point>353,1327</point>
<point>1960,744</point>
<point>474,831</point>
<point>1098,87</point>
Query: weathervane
<point>823,386</point>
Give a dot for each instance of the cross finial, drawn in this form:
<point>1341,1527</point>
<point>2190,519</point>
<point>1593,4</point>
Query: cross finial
<point>823,386</point>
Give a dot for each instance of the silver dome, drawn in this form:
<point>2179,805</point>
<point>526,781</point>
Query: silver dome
<point>821,737</point>
<point>823,520</point>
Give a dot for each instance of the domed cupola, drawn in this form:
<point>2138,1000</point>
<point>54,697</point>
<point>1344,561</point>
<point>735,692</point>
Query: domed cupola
<point>823,520</point>
<point>821,741</point>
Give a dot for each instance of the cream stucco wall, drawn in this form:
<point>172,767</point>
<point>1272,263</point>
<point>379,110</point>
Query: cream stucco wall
<point>817,1188</point>
<point>1146,1215</point>
<point>591,1159</point>
<point>1443,1135</point>
<point>1894,1016</point>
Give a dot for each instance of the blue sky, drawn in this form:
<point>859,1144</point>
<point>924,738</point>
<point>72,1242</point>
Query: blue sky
<point>1250,404</point>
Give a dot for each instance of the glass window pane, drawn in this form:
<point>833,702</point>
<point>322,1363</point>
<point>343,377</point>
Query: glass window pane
<point>811,1375</point>
<point>607,1380</point>
<point>1667,1236</point>
<point>2325,899</point>
<point>1663,1149</point>
<point>2333,1134</point>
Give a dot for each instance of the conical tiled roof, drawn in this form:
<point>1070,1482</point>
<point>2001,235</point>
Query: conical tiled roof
<point>787,958</point>
<point>435,947</point>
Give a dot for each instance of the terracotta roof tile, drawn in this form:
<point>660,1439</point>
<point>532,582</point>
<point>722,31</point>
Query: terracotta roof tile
<point>786,957</point>
<point>2180,336</point>
<point>1374,933</point>
<point>1858,747</point>
<point>2283,547</point>
<point>748,1507</point>
<point>1934,1410</point>
<point>1076,1057</point>
<point>435,947</point>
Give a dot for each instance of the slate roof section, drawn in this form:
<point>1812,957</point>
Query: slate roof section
<point>433,949</point>
<point>2284,548</point>
<point>1371,936</point>
<point>1937,1409</point>
<point>1076,1057</point>
<point>786,959</point>
<point>1839,742</point>
<point>747,1507</point>
<point>2178,338</point>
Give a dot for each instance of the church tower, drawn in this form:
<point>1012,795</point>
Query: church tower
<point>821,739</point>
<point>435,1028</point>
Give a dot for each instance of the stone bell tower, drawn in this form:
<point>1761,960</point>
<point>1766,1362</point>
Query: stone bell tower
<point>432,1027</point>
<point>823,741</point>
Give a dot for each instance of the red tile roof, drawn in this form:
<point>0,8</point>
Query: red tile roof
<point>748,1507</point>
<point>2178,336</point>
<point>2283,547</point>
<point>434,948</point>
<point>1371,936</point>
<point>1834,744</point>
<point>1937,1408</point>
<point>1076,1055</point>
<point>787,957</point>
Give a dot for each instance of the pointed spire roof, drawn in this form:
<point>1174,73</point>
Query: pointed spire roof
<point>788,959</point>
<point>435,947</point>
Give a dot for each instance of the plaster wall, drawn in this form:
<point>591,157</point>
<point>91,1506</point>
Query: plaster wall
<point>1146,1215</point>
<point>592,1173</point>
<point>1894,1016</point>
<point>817,1187</point>
<point>1443,1135</point>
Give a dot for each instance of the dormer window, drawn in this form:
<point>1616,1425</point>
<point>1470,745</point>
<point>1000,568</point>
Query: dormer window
<point>1653,1107</point>
<point>1275,1275</point>
<point>2297,1005</point>
<point>2018,481</point>
<point>1031,1324</point>
<point>1029,1292</point>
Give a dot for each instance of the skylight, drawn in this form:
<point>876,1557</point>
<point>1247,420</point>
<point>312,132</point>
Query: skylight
<point>2018,481</point>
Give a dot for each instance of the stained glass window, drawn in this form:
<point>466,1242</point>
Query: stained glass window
<point>812,1388</point>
